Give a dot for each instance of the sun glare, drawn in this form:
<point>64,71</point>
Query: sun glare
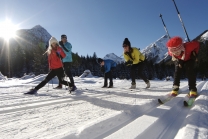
<point>7,30</point>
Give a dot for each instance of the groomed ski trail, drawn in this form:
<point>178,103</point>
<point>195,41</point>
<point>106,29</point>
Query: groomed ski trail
<point>163,122</point>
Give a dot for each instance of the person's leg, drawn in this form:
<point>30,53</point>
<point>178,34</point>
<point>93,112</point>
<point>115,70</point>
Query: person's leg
<point>132,73</point>
<point>67,68</point>
<point>51,75</point>
<point>191,74</point>
<point>140,72</point>
<point>105,80</point>
<point>59,84</point>
<point>177,76</point>
<point>110,78</point>
<point>176,82</point>
<point>59,73</point>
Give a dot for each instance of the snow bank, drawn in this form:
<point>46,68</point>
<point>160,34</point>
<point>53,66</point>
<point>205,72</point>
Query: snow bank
<point>28,76</point>
<point>2,77</point>
<point>86,74</point>
<point>169,78</point>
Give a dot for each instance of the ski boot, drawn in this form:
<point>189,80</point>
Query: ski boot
<point>193,93</point>
<point>59,86</point>
<point>31,92</point>
<point>175,90</point>
<point>73,88</point>
<point>105,86</point>
<point>133,85</point>
<point>110,86</point>
<point>148,84</point>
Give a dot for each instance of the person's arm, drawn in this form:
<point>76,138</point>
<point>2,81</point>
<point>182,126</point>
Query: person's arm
<point>126,58</point>
<point>68,46</point>
<point>60,52</point>
<point>195,50</point>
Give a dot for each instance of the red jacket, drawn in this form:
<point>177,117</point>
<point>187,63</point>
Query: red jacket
<point>189,47</point>
<point>54,60</point>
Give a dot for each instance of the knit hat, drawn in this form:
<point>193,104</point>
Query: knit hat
<point>63,36</point>
<point>175,44</point>
<point>99,60</point>
<point>127,42</point>
<point>52,40</point>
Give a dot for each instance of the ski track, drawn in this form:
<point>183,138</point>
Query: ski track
<point>123,112</point>
<point>163,122</point>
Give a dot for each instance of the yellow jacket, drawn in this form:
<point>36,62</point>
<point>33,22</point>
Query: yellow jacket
<point>136,55</point>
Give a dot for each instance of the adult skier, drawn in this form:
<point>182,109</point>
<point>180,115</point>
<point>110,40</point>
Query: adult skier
<point>55,53</point>
<point>107,66</point>
<point>184,55</point>
<point>135,59</point>
<point>67,47</point>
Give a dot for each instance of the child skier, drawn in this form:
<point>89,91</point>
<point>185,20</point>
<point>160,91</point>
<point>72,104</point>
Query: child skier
<point>107,67</point>
<point>55,53</point>
<point>135,59</point>
<point>184,55</point>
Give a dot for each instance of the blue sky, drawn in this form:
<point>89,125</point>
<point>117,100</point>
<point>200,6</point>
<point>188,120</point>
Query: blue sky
<point>101,25</point>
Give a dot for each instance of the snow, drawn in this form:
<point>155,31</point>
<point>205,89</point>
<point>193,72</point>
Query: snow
<point>86,74</point>
<point>94,112</point>
<point>28,76</point>
<point>205,36</point>
<point>2,77</point>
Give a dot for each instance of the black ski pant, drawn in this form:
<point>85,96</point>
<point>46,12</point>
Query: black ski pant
<point>140,67</point>
<point>108,75</point>
<point>54,72</point>
<point>190,73</point>
<point>67,68</point>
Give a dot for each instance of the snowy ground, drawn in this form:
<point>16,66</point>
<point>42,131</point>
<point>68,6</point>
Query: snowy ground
<point>94,112</point>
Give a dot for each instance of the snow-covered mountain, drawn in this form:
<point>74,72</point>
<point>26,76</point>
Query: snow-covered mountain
<point>205,36</point>
<point>33,36</point>
<point>40,32</point>
<point>157,51</point>
<point>114,57</point>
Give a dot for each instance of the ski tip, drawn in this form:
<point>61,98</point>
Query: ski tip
<point>160,101</point>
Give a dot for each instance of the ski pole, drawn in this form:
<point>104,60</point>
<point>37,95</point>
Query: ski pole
<point>48,88</point>
<point>164,26</point>
<point>64,73</point>
<point>181,21</point>
<point>45,52</point>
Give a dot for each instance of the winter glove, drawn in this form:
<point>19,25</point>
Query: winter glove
<point>61,43</point>
<point>58,54</point>
<point>194,56</point>
<point>179,63</point>
<point>102,69</point>
<point>128,63</point>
